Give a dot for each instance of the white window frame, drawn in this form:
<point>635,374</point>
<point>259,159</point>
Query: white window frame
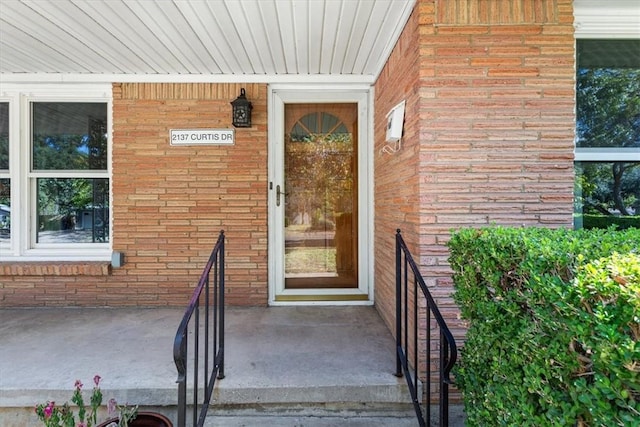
<point>22,246</point>
<point>611,20</point>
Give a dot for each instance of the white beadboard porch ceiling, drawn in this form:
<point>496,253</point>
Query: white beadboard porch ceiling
<point>198,40</point>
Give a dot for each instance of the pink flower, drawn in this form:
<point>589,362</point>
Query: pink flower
<point>96,380</point>
<point>78,385</point>
<point>81,424</point>
<point>48,410</point>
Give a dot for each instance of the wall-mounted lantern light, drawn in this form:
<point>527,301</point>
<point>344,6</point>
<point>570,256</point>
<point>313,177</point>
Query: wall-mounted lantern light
<point>241,111</point>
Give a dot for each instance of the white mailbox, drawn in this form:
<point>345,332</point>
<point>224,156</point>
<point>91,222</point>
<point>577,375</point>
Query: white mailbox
<point>395,123</point>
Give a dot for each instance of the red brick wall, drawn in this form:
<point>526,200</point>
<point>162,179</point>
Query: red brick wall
<point>169,204</point>
<point>489,139</point>
<point>397,182</point>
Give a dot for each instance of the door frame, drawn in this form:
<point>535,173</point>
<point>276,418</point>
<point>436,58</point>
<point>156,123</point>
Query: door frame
<point>278,96</point>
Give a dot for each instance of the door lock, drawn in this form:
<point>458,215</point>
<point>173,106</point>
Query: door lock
<point>278,194</point>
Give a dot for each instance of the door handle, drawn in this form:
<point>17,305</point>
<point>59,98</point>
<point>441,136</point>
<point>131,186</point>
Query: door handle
<point>278,194</point>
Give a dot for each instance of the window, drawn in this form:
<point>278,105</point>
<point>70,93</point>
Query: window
<point>5,181</point>
<point>54,175</point>
<point>607,187</point>
<point>69,141</point>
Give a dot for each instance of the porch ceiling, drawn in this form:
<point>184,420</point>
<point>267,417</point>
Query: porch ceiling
<point>232,40</point>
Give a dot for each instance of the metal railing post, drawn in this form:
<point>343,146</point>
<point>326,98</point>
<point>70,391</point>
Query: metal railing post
<point>398,306</point>
<point>213,340</point>
<point>448,349</point>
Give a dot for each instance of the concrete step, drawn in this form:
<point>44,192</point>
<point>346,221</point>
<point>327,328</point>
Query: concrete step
<point>289,415</point>
<point>295,366</point>
<point>334,415</point>
<point>310,421</point>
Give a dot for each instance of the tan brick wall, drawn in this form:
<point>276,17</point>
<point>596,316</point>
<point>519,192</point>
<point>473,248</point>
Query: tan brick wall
<point>489,139</point>
<point>169,204</point>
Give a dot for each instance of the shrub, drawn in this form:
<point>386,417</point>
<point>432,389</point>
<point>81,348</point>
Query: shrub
<point>554,324</point>
<point>605,221</point>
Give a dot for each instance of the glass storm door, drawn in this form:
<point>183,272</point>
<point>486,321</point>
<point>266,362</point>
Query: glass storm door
<point>320,196</point>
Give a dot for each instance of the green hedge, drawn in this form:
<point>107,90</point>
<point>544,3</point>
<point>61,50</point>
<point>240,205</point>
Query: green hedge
<point>606,221</point>
<point>554,324</point>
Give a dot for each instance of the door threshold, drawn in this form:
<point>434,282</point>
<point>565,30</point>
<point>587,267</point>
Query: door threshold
<point>319,298</point>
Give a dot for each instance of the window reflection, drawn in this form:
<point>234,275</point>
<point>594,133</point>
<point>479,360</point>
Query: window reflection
<point>73,210</point>
<point>69,136</point>
<point>4,135</point>
<point>5,182</point>
<point>606,194</point>
<point>5,209</point>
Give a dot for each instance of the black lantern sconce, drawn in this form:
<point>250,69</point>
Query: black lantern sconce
<point>241,111</point>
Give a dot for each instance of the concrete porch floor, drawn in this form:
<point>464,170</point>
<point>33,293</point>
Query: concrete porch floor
<point>274,356</point>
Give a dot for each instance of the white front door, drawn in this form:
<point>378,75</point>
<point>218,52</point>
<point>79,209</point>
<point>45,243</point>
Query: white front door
<point>320,247</point>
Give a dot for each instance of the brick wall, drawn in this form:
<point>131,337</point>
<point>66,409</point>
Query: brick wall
<point>489,139</point>
<point>169,204</point>
<point>397,182</point>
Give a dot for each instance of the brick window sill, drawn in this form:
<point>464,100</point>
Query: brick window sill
<point>69,268</point>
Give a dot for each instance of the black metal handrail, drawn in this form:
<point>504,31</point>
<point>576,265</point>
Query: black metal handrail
<point>448,349</point>
<point>209,298</point>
